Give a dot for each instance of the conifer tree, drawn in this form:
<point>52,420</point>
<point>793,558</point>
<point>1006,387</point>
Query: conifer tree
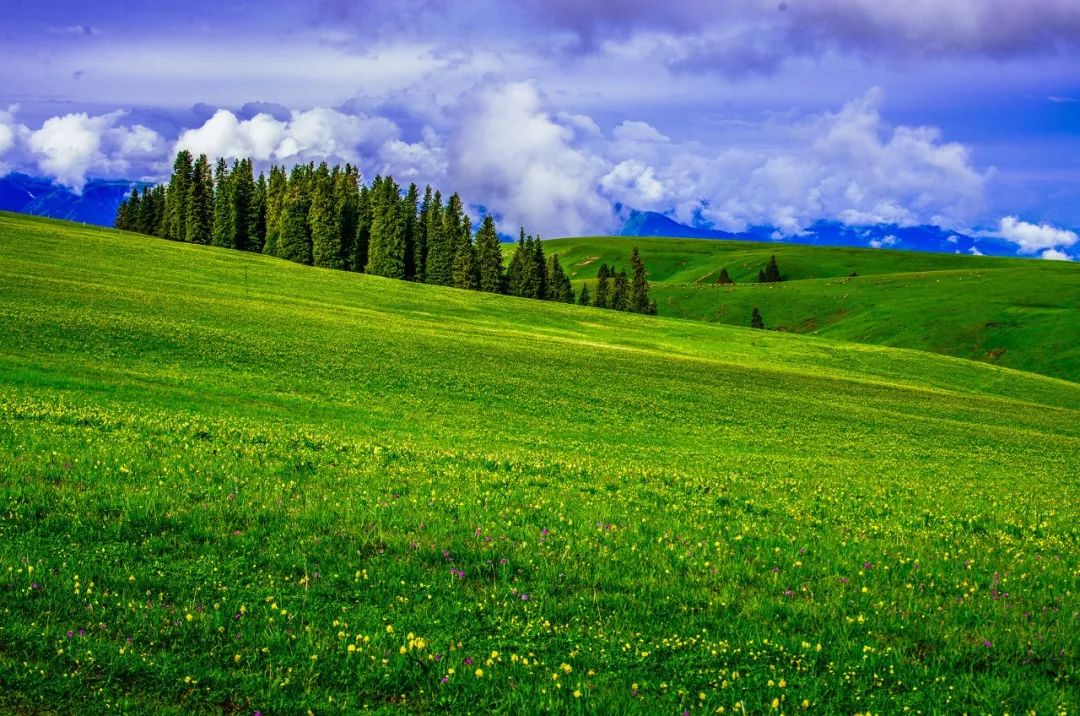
<point>620,292</point>
<point>559,287</point>
<point>540,270</point>
<point>420,243</point>
<point>277,194</point>
<point>724,279</point>
<point>242,192</point>
<point>224,226</point>
<point>515,272</point>
<point>145,221</point>
<point>362,242</point>
<point>176,197</point>
<point>294,242</point>
<point>755,319</point>
<point>489,257</point>
<point>771,273</point>
<point>603,288</point>
<point>347,204</point>
<point>386,251</point>
<point>441,252</point>
<point>584,299</point>
<point>257,223</point>
<point>465,270</point>
<point>409,208</point>
<point>324,220</point>
<point>435,240</point>
<point>200,202</point>
<point>639,284</point>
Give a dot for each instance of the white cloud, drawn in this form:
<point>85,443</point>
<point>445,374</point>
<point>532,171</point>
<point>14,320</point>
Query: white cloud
<point>1055,255</point>
<point>510,153</point>
<point>886,241</point>
<point>974,251</point>
<point>1032,238</point>
<point>68,148</point>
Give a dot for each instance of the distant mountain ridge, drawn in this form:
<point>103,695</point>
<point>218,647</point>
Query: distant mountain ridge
<point>831,233</point>
<point>97,204</point>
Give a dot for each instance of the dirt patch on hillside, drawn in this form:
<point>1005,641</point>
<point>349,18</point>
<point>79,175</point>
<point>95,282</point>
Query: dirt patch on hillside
<point>587,261</point>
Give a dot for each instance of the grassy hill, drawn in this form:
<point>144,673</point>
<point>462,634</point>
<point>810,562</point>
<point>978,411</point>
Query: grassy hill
<point>1019,313</point>
<point>232,483</point>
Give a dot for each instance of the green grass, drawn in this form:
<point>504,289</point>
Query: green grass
<point>1019,313</point>
<point>242,484</point>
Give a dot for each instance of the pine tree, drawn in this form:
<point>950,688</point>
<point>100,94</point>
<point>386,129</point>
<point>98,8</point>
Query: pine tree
<point>294,242</point>
<point>755,319</point>
<point>724,279</point>
<point>409,208</point>
<point>540,270</point>
<point>603,288</point>
<point>242,193</point>
<point>515,272</point>
<point>145,221</point>
<point>771,273</point>
<point>435,240</point>
<point>277,194</point>
<point>420,245</point>
<point>620,292</point>
<point>362,242</point>
<point>347,204</point>
<point>177,196</point>
<point>257,225</point>
<point>386,251</point>
<point>639,284</point>
<point>324,220</point>
<point>441,252</point>
<point>489,257</point>
<point>466,273</point>
<point>224,227</point>
<point>559,287</point>
<point>200,202</point>
<point>583,298</point>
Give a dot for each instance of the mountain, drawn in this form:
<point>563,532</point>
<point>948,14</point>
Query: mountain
<point>96,204</point>
<point>831,233</point>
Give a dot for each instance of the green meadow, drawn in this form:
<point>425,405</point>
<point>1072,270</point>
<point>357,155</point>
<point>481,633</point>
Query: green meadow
<point>235,484</point>
<point>1018,313</point>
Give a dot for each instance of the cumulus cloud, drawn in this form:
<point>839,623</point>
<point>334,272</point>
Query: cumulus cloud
<point>1032,238</point>
<point>1055,255</point>
<point>883,242</point>
<point>509,152</point>
<point>68,148</point>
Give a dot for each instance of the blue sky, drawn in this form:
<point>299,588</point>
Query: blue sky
<point>559,114</point>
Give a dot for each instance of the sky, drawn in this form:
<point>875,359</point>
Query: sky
<point>564,115</point>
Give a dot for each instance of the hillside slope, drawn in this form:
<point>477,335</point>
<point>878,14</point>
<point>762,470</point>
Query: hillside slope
<point>240,484</point>
<point>1019,313</point>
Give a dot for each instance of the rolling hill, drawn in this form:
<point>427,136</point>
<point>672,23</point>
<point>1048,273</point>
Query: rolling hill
<point>235,484</point>
<point>1019,313</point>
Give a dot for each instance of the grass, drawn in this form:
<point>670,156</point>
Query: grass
<point>1019,313</point>
<point>236,484</point>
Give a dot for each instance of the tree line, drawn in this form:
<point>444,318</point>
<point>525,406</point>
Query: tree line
<point>326,216</point>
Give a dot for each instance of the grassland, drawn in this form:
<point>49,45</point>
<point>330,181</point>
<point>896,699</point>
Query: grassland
<point>1019,313</point>
<point>231,483</point>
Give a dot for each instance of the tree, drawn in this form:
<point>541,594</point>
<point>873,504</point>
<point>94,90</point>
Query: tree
<point>225,219</point>
<point>362,241</point>
<point>466,271</point>
<point>620,292</point>
<point>771,273</point>
<point>420,244</point>
<point>409,207</point>
<point>755,319</point>
<point>443,250</point>
<point>540,270</point>
<point>603,297</point>
<point>277,194</point>
<point>347,205</point>
<point>243,195</point>
<point>724,279</point>
<point>559,287</point>
<point>583,298</point>
<point>325,222</point>
<point>200,202</point>
<point>387,250</point>
<point>639,284</point>
<point>257,219</point>
<point>489,257</point>
<point>294,242</point>
<point>435,244</point>
<point>176,197</point>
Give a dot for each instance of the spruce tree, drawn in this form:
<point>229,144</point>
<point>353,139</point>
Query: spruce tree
<point>224,227</point>
<point>294,242</point>
<point>540,270</point>
<point>465,270</point>
<point>242,192</point>
<point>515,272</point>
<point>620,292</point>
<point>755,319</point>
<point>145,221</point>
<point>176,197</point>
<point>435,241</point>
<point>325,223</point>
<point>583,298</point>
<point>771,273</point>
<point>409,208</point>
<point>724,279</point>
<point>441,253</point>
<point>362,241</point>
<point>639,284</point>
<point>420,243</point>
<point>277,194</point>
<point>603,288</point>
<point>347,204</point>
<point>200,202</point>
<point>489,257</point>
<point>257,218</point>
<point>386,251</point>
<point>559,287</point>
